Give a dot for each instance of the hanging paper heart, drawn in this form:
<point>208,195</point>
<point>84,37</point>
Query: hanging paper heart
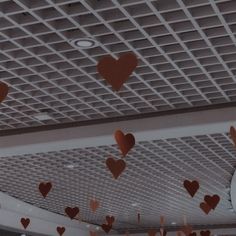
<point>116,72</point>
<point>193,234</point>
<point>191,187</point>
<point>72,212</point>
<point>25,222</point>
<point>212,201</point>
<point>94,204</point>
<point>205,207</point>
<point>110,219</point>
<point>125,142</point>
<point>60,230</point>
<point>205,233</point>
<point>45,188</point>
<point>116,167</point>
<point>106,227</point>
<point>233,134</point>
<point>3,91</point>
<point>152,232</point>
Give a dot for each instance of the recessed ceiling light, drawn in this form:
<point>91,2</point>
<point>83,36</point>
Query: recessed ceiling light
<point>173,223</point>
<point>42,116</point>
<point>87,225</point>
<point>97,228</point>
<point>83,43</point>
<point>70,166</point>
<point>134,204</point>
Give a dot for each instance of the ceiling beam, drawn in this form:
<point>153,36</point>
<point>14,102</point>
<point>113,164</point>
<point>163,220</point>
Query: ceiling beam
<point>146,129</point>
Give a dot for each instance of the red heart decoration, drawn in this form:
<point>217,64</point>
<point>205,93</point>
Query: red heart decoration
<point>3,91</point>
<point>60,230</point>
<point>193,234</point>
<point>152,232</point>
<point>116,72</point>
<point>45,188</point>
<point>115,166</point>
<point>106,227</point>
<point>205,207</point>
<point>205,233</point>
<point>233,134</point>
<point>72,212</point>
<point>94,204</point>
<point>191,187</point>
<point>25,222</point>
<point>125,142</point>
<point>212,201</point>
<point>110,220</point>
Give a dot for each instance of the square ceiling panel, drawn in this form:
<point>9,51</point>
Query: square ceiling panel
<point>185,49</point>
<point>152,183</point>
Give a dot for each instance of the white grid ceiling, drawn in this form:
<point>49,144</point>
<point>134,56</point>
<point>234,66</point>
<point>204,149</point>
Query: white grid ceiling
<point>153,179</point>
<point>186,51</point>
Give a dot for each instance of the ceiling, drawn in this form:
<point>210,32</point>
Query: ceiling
<point>186,59</point>
<point>186,52</point>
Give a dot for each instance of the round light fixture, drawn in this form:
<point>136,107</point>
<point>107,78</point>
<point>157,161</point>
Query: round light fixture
<point>173,223</point>
<point>83,43</point>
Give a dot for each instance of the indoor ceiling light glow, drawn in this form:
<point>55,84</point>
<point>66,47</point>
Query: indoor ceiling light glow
<point>83,43</point>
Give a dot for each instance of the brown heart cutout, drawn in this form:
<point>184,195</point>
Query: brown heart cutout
<point>60,230</point>
<point>44,188</point>
<point>205,233</point>
<point>125,142</point>
<point>116,72</point>
<point>106,227</point>
<point>233,134</point>
<point>72,212</point>
<point>152,232</point>
<point>25,222</point>
<point>212,201</point>
<point>193,234</point>
<point>191,186</point>
<point>110,219</point>
<point>116,167</point>
<point>3,91</point>
<point>94,204</point>
<point>205,207</point>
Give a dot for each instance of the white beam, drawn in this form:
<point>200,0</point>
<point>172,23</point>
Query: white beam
<point>170,126</point>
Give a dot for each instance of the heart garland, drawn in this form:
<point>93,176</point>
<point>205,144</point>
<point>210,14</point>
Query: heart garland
<point>205,233</point>
<point>116,72</point>
<point>210,203</point>
<point>191,186</point>
<point>116,167</point>
<point>25,222</point>
<point>60,230</point>
<point>108,226</point>
<point>72,212</point>
<point>125,142</point>
<point>44,188</point>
